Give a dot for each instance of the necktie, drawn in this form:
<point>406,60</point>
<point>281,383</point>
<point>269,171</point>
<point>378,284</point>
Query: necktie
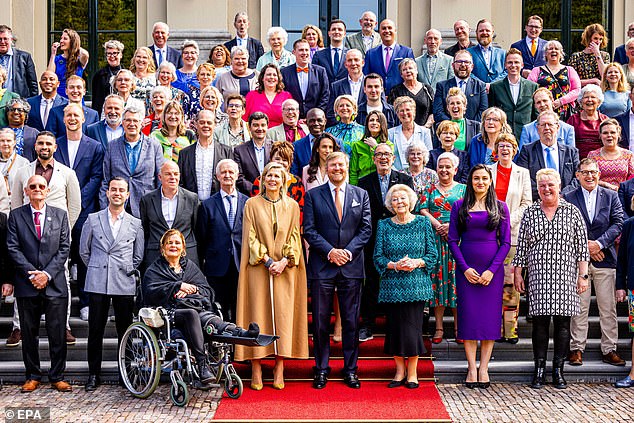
<point>232,213</point>
<point>550,162</point>
<point>38,226</point>
<point>160,57</point>
<point>4,61</point>
<point>336,61</point>
<point>388,57</point>
<point>461,84</point>
<point>533,47</point>
<point>300,70</point>
<point>338,204</point>
<point>47,109</point>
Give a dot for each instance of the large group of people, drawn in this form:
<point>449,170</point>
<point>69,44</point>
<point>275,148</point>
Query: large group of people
<point>370,179</point>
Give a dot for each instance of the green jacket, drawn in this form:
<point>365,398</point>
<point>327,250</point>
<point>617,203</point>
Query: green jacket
<point>362,160</point>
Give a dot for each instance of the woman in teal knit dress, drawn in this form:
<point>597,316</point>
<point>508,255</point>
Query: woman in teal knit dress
<point>404,253</point>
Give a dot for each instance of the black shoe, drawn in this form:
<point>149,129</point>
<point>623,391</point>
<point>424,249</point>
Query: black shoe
<point>396,383</point>
<point>558,375</point>
<point>92,383</point>
<point>320,380</point>
<point>411,385</point>
<point>352,380</point>
<point>539,378</point>
<point>484,385</point>
<point>471,385</point>
<point>365,334</point>
<point>204,373</point>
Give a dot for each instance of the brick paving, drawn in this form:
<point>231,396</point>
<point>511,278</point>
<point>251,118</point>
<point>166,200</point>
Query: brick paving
<point>503,402</point>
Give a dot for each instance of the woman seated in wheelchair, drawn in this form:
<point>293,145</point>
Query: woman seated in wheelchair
<point>177,284</point>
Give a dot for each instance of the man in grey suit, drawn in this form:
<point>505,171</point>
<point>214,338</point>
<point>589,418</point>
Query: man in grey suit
<point>168,207</point>
<point>135,157</point>
<point>111,246</point>
<point>21,78</point>
<point>38,239</point>
<point>366,39</point>
<point>434,65</point>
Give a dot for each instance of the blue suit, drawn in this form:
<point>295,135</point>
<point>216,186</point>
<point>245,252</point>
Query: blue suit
<point>565,134</point>
<point>173,56</point>
<point>323,58</point>
<point>97,131</point>
<point>624,121</point>
<point>482,70</point>
<point>35,120</point>
<point>374,64</point>
<point>626,192</point>
<point>477,99</point>
<point>56,125</point>
<point>529,60</point>
<point>301,154</point>
<point>620,56</point>
<point>338,88</point>
<point>317,93</point>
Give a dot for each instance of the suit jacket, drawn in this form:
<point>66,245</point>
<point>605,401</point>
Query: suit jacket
<point>24,76</point>
<point>88,168</point>
<point>477,100</point>
<point>187,165</point>
<point>607,222</point>
<point>28,147</point>
<point>518,196</point>
<point>624,121</point>
<point>620,56</point>
<point>218,243</point>
<point>145,176</point>
<point>111,261</point>
<point>356,41</point>
<point>443,69</point>
<point>463,166</point>
<point>48,254</point>
<point>324,231</point>
<point>56,125</point>
<point>253,45</point>
<point>531,61</point>
<point>371,184</point>
<point>482,70</point>
<point>388,111</point>
<point>472,128</point>
<point>374,63</point>
<point>173,56</point>
<point>323,58</point>
<point>517,114</point>
<point>338,88</point>
<point>301,154</point>
<point>317,93</point>
<point>97,131</point>
<point>531,157</point>
<point>154,224</point>
<point>35,119</point>
<point>626,192</point>
<point>277,133</point>
<point>244,155</point>
<point>565,134</point>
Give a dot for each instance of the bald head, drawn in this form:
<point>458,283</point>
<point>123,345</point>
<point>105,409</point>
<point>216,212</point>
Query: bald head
<point>433,40</point>
<point>169,176</point>
<point>36,189</point>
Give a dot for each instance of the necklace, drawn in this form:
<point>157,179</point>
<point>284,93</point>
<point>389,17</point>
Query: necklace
<point>269,200</point>
<point>402,222</point>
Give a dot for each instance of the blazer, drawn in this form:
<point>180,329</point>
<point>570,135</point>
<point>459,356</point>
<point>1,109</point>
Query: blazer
<point>323,58</point>
<point>254,46</point>
<point>111,261</point>
<point>463,167</point>
<point>531,157</point>
<point>154,224</point>
<point>388,111</point>
<point>64,193</point>
<point>529,60</point>
<point>48,254</point>
<point>518,195</point>
<point>218,243</point>
<point>477,100</point>
<point>302,151</point>
<point>471,129</point>
<point>88,168</point>
<point>374,64</point>
<point>443,69</point>
<point>317,93</point>
<point>324,231</point>
<point>24,77</point>
<point>371,184</point>
<point>187,165</point>
<point>173,56</point>
<point>620,56</point>
<point>624,121</point>
<point>277,133</point>
<point>565,134</point>
<point>244,156</point>
<point>606,225</point>
<point>626,192</point>
<point>145,176</point>
<point>56,125</point>
<point>97,131</point>
<point>356,41</point>
<point>338,88</point>
<point>35,119</point>
<point>482,70</point>
<point>28,147</point>
<point>517,114</point>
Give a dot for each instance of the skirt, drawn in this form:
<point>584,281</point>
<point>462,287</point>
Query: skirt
<point>404,334</point>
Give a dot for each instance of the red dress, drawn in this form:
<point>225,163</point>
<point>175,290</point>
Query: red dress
<point>586,133</point>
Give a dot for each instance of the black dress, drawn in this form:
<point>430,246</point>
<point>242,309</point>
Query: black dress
<point>423,99</point>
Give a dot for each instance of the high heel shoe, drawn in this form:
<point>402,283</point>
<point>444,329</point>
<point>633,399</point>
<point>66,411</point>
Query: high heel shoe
<point>255,385</point>
<point>437,339</point>
<point>458,340</point>
<point>278,385</point>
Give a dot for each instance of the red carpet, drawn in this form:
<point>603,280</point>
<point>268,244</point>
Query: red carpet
<point>299,401</point>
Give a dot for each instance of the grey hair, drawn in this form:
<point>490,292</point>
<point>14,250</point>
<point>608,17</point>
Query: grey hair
<point>559,47</point>
<point>8,131</point>
<point>161,89</point>
<point>131,108</point>
<point>406,61</point>
<point>448,155</point>
<point>128,72</point>
<point>170,66</point>
<point>191,43</point>
<point>238,49</point>
<point>115,44</point>
<point>628,42</point>
<point>541,173</point>
<point>421,146</point>
<point>593,88</point>
<point>277,30</point>
<point>411,195</point>
<point>230,162</point>
<point>20,102</point>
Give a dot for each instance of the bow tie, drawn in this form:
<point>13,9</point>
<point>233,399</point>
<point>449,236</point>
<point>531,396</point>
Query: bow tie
<point>300,70</point>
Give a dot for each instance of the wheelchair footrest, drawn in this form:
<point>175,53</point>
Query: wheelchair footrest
<point>261,341</point>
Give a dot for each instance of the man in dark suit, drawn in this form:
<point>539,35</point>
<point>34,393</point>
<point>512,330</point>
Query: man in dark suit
<point>21,76</point>
<point>42,104</point>
<point>85,156</point>
<point>374,98</point>
<point>474,90</point>
<point>462,31</point>
<point>219,231</point>
<point>514,94</point>
<point>253,155</point>
<point>337,226</point>
<point>626,192</point>
<point>548,153</point>
<point>384,59</point>
<point>603,215</point>
<point>168,207</point>
<point>352,84</point>
<point>627,133</point>
<point>532,47</point>
<point>332,58</point>
<point>316,121</point>
<point>367,38</point>
<point>39,242</point>
<point>307,83</point>
<point>160,49</point>
<point>75,90</point>
<point>109,128</point>
<point>620,56</point>
<point>376,184</point>
<point>17,111</point>
<point>254,46</point>
<point>199,176</point>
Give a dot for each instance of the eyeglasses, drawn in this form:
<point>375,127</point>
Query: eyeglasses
<point>534,26</point>
<point>492,119</point>
<point>505,147</point>
<point>380,155</point>
<point>234,106</point>
<point>112,53</point>
<point>462,62</point>
<point>37,186</point>
<point>548,125</point>
<point>16,110</point>
<point>291,109</point>
<point>588,172</point>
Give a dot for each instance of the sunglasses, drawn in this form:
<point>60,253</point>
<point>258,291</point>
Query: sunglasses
<point>37,186</point>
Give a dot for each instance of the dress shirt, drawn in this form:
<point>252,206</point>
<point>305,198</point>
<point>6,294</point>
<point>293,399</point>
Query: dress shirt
<point>259,155</point>
<point>45,108</point>
<point>133,151</point>
<point>463,86</point>
<point>19,140</point>
<point>337,51</point>
<point>529,43</point>
<point>115,223</point>
<point>590,198</point>
<point>384,50</point>
<point>113,134</point>
<point>367,42</point>
<point>432,59</point>
<point>515,90</point>
<point>6,61</point>
<point>42,218</point>
<point>631,140</point>
<point>384,181</point>
<point>46,173</point>
<point>73,146</point>
<point>486,53</point>
<point>554,154</point>
<point>168,207</point>
<point>204,170</point>
<point>161,53</point>
<point>355,88</point>
<point>302,77</point>
<point>225,203</point>
<point>342,197</point>
<point>242,42</point>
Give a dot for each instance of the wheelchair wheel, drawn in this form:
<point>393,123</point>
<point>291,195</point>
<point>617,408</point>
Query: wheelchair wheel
<point>233,386</point>
<point>139,360</point>
<point>179,394</point>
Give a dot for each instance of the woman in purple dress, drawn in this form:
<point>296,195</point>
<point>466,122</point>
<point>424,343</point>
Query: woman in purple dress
<point>479,239</point>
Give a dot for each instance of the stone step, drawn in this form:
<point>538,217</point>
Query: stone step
<point>78,327</point>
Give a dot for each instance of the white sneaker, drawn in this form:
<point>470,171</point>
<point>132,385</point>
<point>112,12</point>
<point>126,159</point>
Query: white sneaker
<point>83,314</point>
<point>9,299</point>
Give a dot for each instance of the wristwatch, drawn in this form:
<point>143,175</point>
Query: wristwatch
<point>584,276</point>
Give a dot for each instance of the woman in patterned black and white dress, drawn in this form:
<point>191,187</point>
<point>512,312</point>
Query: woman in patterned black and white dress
<point>553,245</point>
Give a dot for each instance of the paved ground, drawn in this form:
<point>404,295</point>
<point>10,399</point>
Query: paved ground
<point>500,403</point>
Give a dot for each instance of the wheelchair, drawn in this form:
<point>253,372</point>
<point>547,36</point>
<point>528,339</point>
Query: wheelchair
<point>151,347</point>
